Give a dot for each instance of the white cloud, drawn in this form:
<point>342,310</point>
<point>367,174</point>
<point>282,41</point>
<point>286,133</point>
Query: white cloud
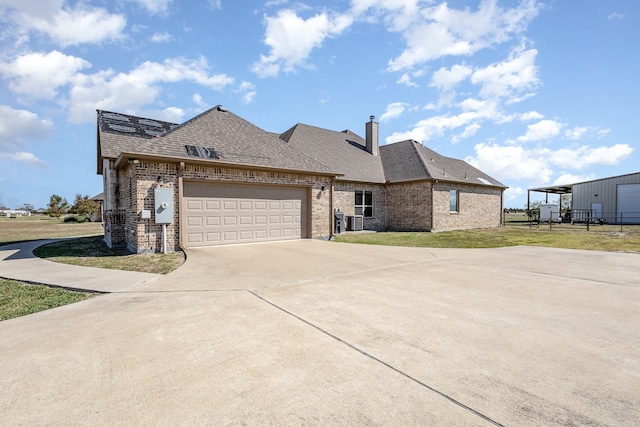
<point>292,38</point>
<point>580,132</point>
<point>512,193</point>
<point>446,79</point>
<point>17,126</point>
<point>542,130</point>
<point>39,75</point>
<point>248,92</point>
<point>468,132</point>
<point>512,162</point>
<point>437,31</point>
<point>581,157</point>
<point>197,99</point>
<point>405,79</point>
<point>66,26</point>
<point>537,164</point>
<point>160,7</point>
<point>128,92</point>
<point>435,126</point>
<point>24,157</point>
<point>161,37</point>
<point>568,178</point>
<point>616,16</point>
<point>394,110</point>
<point>215,4</point>
<point>169,114</point>
<point>530,115</point>
<point>509,78</point>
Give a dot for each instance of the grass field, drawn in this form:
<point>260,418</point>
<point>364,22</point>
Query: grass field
<point>19,299</point>
<point>38,227</point>
<point>92,252</point>
<point>516,232</point>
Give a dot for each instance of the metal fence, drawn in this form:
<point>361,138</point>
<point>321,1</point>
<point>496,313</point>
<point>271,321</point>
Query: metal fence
<point>594,216</point>
<point>587,218</point>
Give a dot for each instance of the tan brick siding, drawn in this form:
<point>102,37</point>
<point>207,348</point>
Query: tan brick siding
<point>406,206</point>
<point>409,206</point>
<point>344,199</point>
<point>478,207</point>
<point>137,183</point>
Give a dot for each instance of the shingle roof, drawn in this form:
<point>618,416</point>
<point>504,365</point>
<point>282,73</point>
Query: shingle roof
<point>228,138</point>
<point>342,151</point>
<point>233,139</point>
<point>410,160</point>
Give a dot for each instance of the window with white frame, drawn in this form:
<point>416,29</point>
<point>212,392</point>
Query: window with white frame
<point>454,201</point>
<point>364,203</point>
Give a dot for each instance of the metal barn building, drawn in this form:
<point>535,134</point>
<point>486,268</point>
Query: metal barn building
<point>614,200</point>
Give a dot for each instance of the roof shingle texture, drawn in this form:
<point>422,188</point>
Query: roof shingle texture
<point>234,139</point>
<point>342,151</point>
<point>410,160</point>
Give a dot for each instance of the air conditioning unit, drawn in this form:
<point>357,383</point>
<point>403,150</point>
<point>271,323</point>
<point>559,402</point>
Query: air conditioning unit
<point>355,223</point>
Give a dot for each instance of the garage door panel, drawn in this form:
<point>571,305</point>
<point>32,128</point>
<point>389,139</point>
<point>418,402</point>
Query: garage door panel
<point>212,204</point>
<point>194,205</point>
<point>230,221</point>
<point>213,238</point>
<point>226,213</point>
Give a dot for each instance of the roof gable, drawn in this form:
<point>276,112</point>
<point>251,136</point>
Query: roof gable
<point>410,161</point>
<point>343,151</point>
<point>233,139</point>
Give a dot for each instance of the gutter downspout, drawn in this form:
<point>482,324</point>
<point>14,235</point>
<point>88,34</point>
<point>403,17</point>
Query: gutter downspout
<point>181,167</point>
<point>332,218</point>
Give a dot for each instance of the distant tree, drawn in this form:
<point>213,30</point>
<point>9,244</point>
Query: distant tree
<point>533,211</point>
<point>57,207</point>
<point>27,207</point>
<point>84,206</point>
<point>565,202</point>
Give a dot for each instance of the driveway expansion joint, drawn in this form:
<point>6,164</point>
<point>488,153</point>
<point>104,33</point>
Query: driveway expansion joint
<point>378,360</point>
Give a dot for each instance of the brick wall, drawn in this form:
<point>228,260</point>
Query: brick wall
<point>478,207</point>
<point>395,207</point>
<point>136,192</point>
<point>409,206</point>
<point>344,199</point>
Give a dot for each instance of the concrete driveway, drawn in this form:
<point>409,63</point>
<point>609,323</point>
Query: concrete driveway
<point>323,333</point>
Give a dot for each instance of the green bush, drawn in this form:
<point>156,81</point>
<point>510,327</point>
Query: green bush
<point>77,218</point>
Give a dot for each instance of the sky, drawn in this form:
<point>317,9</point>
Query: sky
<point>533,93</point>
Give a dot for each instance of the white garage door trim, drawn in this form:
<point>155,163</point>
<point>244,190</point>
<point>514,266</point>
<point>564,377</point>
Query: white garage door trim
<point>229,213</point>
<point>628,203</point>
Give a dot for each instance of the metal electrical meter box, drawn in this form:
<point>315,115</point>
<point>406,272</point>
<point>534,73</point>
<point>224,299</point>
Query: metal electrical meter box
<point>164,205</point>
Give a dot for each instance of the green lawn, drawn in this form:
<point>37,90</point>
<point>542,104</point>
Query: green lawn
<point>602,238</point>
<point>92,252</point>
<point>19,299</point>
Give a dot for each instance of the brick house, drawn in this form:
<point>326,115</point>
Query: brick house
<point>218,179</point>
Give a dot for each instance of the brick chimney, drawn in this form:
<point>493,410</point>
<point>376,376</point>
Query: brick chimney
<point>372,136</point>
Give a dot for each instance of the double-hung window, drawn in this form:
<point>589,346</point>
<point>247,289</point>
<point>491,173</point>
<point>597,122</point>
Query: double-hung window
<point>364,203</point>
<point>454,201</point>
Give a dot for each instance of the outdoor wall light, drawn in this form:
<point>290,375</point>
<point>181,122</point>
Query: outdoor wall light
<point>160,180</point>
<point>323,188</point>
<point>134,161</point>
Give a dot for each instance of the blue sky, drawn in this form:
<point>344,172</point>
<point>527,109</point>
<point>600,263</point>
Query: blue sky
<point>531,92</point>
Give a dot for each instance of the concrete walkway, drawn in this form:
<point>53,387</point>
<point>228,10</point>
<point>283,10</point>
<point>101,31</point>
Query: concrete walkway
<point>324,333</point>
<point>17,262</point>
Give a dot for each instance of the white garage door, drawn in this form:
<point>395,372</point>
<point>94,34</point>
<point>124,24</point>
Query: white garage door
<point>219,214</point>
<point>628,203</point>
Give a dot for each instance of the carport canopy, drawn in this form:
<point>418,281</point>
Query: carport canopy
<point>554,189</point>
